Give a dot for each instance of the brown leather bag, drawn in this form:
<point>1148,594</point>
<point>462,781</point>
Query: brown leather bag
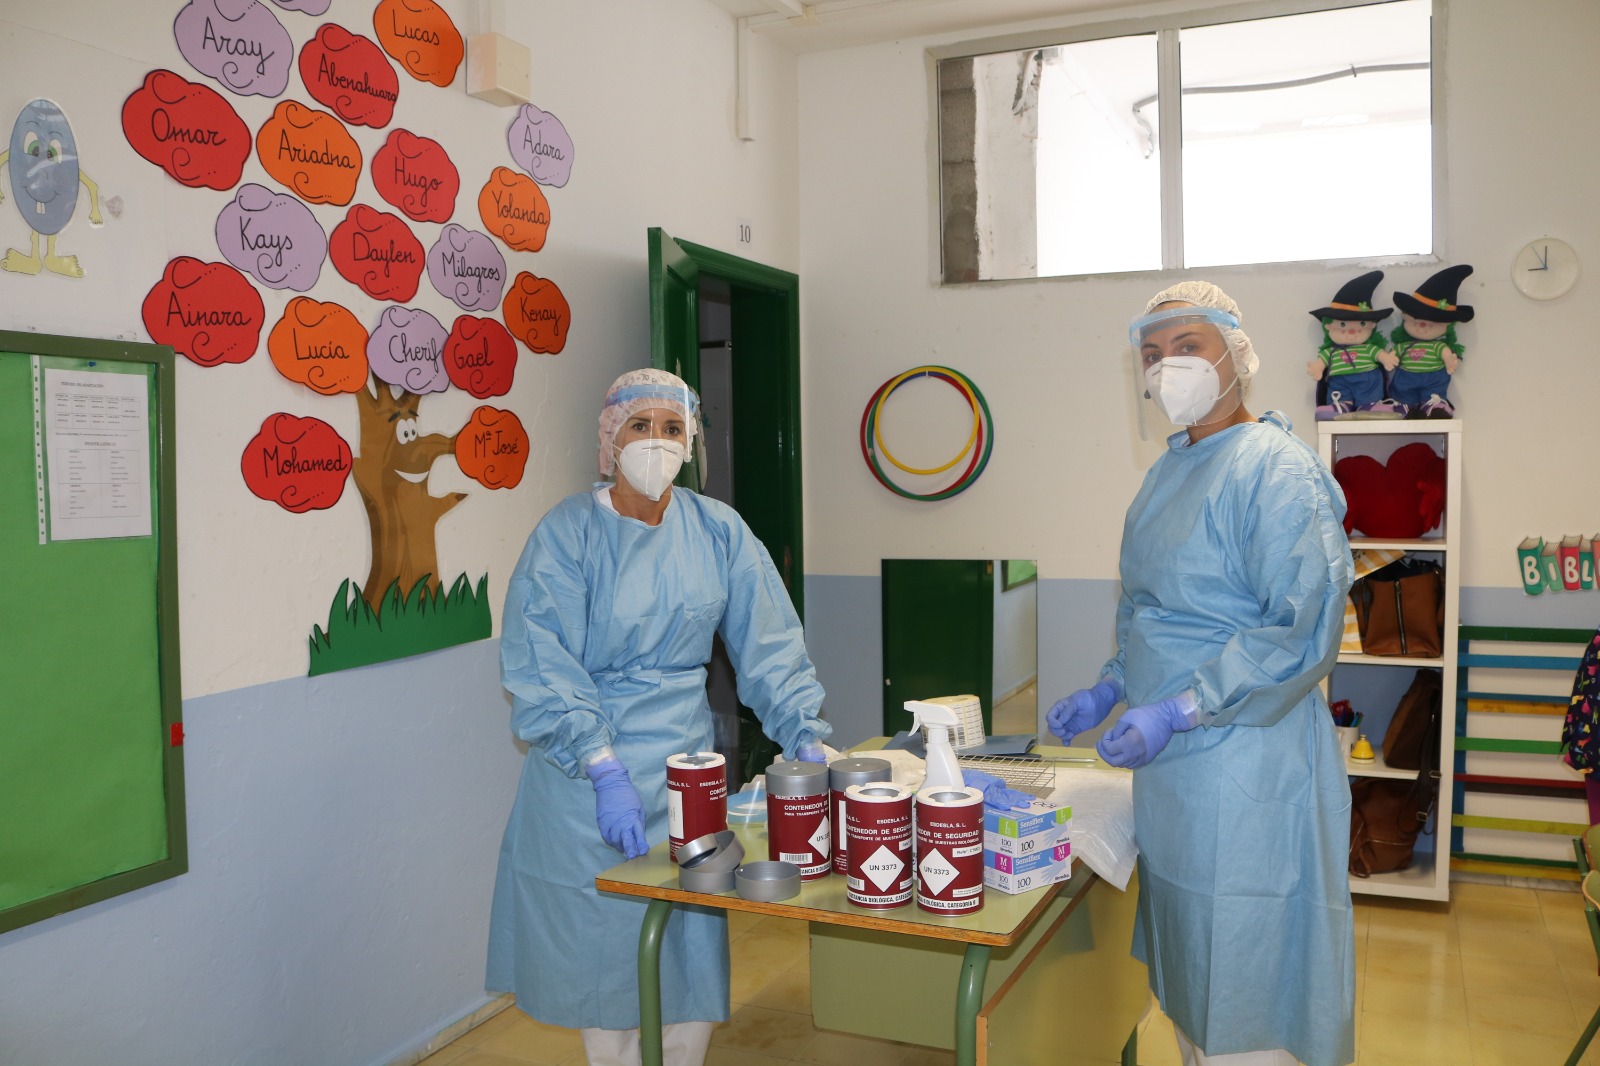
<point>1400,610</point>
<point>1416,720</point>
<point>1386,816</point>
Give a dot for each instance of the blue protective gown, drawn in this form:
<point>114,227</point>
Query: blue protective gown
<point>1235,568</point>
<point>608,625</point>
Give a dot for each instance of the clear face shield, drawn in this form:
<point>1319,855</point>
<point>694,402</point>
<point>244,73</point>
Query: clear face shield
<point>1182,368</point>
<point>655,439</point>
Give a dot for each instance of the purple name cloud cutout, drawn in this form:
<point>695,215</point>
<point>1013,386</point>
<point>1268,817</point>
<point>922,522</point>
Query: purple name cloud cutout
<point>240,43</point>
<point>466,267</point>
<point>273,237</point>
<point>310,7</point>
<point>407,350</point>
<point>540,145</point>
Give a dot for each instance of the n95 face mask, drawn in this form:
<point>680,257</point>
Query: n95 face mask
<point>1184,387</point>
<point>651,465</point>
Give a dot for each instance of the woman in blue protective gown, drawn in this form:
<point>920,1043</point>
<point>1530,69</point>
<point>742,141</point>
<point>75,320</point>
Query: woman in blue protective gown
<point>608,625</point>
<point>1234,571</point>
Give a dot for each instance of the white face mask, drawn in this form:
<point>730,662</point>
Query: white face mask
<point>651,465</point>
<point>1184,387</point>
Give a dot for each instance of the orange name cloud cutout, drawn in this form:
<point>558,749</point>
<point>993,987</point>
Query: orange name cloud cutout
<point>537,314</point>
<point>492,448</point>
<point>515,209</point>
<point>419,35</point>
<point>321,346</point>
<point>310,153</point>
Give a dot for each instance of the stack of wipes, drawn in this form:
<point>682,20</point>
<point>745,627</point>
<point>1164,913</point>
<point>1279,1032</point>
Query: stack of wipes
<point>969,714</point>
<point>1026,849</point>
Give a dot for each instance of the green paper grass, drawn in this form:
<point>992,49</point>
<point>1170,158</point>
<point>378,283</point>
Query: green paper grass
<point>422,621</point>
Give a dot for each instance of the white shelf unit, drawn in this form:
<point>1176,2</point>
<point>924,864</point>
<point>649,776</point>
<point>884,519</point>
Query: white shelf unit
<point>1375,683</point>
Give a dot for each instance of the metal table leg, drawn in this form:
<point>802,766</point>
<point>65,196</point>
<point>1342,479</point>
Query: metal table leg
<point>969,999</point>
<point>655,923</point>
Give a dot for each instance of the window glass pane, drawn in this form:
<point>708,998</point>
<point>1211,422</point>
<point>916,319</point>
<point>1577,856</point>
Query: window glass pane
<point>1338,168</point>
<point>1099,170</point>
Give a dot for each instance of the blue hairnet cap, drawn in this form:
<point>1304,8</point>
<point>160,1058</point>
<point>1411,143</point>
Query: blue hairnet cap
<point>641,390</point>
<point>1205,294</point>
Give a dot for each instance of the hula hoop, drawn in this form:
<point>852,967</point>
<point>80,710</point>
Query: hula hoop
<point>981,446</point>
<point>888,390</point>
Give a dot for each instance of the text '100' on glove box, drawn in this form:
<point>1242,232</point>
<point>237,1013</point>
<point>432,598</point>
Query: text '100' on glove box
<point>1027,848</point>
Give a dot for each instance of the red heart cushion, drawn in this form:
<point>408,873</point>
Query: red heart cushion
<point>1404,498</point>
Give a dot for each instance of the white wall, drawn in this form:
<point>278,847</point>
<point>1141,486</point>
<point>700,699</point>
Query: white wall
<point>344,830</point>
<point>1046,353</point>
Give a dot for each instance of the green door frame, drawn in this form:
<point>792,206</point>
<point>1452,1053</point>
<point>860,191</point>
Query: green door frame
<point>675,269</point>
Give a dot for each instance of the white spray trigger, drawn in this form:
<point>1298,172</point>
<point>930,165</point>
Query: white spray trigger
<point>942,722</point>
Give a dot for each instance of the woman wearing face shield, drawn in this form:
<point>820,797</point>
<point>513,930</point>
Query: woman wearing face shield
<point>1234,572</point>
<point>608,625</point>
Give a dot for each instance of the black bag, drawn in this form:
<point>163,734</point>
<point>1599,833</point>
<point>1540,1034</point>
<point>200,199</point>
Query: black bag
<point>1386,816</point>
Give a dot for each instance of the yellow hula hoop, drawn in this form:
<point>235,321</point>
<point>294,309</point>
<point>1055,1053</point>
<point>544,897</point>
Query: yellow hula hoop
<point>877,428</point>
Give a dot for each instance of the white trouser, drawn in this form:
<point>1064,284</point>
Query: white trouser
<point>1193,1056</point>
<point>682,1044</point>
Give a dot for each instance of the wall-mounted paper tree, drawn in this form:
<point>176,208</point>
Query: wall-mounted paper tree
<point>408,356</point>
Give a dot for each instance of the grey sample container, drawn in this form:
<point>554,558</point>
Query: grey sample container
<point>842,773</point>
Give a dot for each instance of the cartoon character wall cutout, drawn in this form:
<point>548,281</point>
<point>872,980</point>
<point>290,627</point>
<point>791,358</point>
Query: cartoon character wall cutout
<point>42,161</point>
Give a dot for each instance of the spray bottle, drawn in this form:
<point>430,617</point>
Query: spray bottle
<point>940,721</point>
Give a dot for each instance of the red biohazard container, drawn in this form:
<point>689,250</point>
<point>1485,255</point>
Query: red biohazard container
<point>697,797</point>
<point>878,845</point>
<point>842,773</point>
<point>798,827</point>
<point>949,849</point>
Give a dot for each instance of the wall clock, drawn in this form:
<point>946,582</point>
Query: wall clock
<point>1544,269</point>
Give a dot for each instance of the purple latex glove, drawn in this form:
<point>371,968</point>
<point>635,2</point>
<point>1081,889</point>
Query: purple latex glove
<point>617,808</point>
<point>809,750</point>
<point>1142,732</point>
<point>997,795</point>
<point>1083,710</point>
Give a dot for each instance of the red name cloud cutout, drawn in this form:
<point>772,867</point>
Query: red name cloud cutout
<point>480,357</point>
<point>416,175</point>
<point>377,252</point>
<point>349,74</point>
<point>207,312</point>
<point>188,130</point>
<point>300,464</point>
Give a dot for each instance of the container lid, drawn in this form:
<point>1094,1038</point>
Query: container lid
<point>767,881</point>
<point>797,779</point>
<point>845,772</point>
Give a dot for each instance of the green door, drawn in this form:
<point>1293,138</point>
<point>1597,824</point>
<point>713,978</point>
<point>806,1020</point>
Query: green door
<point>765,327</point>
<point>675,322</point>
<point>765,312</point>
<point>938,634</point>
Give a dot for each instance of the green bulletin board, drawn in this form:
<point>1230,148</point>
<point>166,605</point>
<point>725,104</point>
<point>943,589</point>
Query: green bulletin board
<point>91,763</point>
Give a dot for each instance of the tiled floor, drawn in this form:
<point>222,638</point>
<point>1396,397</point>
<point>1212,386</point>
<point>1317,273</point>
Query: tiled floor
<point>1500,976</point>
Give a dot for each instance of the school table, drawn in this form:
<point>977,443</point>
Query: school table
<point>1041,976</point>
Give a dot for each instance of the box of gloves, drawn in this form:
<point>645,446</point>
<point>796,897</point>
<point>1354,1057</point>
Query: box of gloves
<point>1024,849</point>
<point>1023,873</point>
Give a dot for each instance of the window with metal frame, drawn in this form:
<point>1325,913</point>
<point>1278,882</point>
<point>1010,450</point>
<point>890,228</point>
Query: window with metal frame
<point>1298,131</point>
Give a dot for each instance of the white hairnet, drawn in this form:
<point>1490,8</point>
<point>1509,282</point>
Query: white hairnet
<point>1205,294</point>
<point>640,390</point>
